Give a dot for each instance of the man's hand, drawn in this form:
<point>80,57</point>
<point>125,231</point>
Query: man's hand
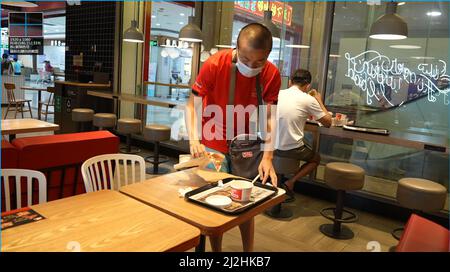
<point>266,170</point>
<point>314,93</point>
<point>197,149</point>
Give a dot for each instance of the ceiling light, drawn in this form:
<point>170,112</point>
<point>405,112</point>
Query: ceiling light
<point>334,56</point>
<point>297,46</point>
<point>191,32</point>
<point>405,46</point>
<point>423,58</point>
<point>22,4</point>
<point>158,24</point>
<point>133,34</point>
<point>181,14</point>
<point>434,13</point>
<point>267,22</point>
<point>153,16</point>
<point>389,26</point>
<point>181,23</point>
<point>224,46</point>
<point>401,3</point>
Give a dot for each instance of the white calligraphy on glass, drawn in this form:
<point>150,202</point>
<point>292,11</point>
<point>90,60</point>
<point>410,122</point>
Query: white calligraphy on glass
<point>373,73</point>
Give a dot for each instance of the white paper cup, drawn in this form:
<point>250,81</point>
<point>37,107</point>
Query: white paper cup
<point>241,190</point>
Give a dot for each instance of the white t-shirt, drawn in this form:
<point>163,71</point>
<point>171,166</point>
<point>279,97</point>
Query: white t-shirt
<point>293,108</point>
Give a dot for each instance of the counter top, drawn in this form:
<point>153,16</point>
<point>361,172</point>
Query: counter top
<point>410,140</point>
<point>80,84</point>
<point>140,99</point>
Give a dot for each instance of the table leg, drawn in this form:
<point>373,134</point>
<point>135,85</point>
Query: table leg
<point>248,234</point>
<point>216,243</point>
<point>201,244</point>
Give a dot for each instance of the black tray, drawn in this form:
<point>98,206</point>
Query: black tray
<point>380,131</point>
<point>202,189</point>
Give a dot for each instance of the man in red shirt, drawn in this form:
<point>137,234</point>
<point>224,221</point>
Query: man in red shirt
<point>254,45</point>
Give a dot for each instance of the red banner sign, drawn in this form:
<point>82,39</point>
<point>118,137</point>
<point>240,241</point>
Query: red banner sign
<point>281,12</point>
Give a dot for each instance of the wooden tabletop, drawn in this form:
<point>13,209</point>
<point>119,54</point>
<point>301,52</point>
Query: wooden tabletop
<point>162,193</point>
<point>36,87</point>
<point>410,140</point>
<point>27,125</point>
<point>81,84</point>
<point>100,221</point>
<point>140,99</point>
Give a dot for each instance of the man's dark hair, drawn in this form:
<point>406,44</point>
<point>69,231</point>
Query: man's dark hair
<point>259,36</point>
<point>301,77</point>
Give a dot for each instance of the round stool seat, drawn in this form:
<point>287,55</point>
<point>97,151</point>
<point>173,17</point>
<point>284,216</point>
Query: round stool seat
<point>285,165</point>
<point>421,194</point>
<point>107,120</point>
<point>82,115</point>
<point>129,125</point>
<point>156,133</point>
<point>344,176</point>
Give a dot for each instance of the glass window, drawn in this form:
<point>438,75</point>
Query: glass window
<point>289,17</point>
<point>170,66</point>
<point>400,85</point>
<point>170,59</point>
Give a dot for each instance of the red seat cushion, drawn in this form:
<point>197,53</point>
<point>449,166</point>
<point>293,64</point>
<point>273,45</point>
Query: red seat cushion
<point>64,149</point>
<point>423,235</point>
<point>10,155</point>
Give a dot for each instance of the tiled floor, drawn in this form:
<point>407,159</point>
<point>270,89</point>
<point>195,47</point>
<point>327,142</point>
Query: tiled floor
<point>301,232</point>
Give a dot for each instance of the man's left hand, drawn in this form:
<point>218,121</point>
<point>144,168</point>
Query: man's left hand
<point>266,170</point>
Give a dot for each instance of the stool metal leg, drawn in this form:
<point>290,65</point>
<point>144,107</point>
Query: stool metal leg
<point>128,143</point>
<point>156,160</point>
<point>278,212</point>
<point>337,230</point>
<point>397,233</point>
<point>128,149</point>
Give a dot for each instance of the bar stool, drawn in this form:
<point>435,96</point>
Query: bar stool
<point>82,116</point>
<point>156,134</point>
<point>341,177</point>
<point>105,120</point>
<point>421,196</point>
<point>129,126</point>
<point>283,166</point>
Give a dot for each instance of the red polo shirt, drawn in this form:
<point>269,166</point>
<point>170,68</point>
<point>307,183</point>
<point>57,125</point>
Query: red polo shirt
<point>212,84</point>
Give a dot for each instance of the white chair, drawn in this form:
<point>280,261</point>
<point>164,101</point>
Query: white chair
<point>111,171</point>
<point>18,175</point>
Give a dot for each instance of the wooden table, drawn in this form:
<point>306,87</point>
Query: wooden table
<point>39,88</point>
<point>162,193</point>
<point>101,221</point>
<point>12,127</point>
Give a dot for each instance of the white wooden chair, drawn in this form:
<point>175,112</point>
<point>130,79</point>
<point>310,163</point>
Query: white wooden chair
<point>111,171</point>
<point>19,175</point>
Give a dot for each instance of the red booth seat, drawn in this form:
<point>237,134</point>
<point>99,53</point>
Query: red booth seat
<point>423,235</point>
<point>10,155</point>
<point>60,157</point>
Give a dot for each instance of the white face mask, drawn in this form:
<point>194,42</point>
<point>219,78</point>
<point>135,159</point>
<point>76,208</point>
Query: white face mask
<point>247,71</point>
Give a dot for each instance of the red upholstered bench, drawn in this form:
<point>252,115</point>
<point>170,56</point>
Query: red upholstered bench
<point>423,235</point>
<point>60,157</point>
<point>10,155</point>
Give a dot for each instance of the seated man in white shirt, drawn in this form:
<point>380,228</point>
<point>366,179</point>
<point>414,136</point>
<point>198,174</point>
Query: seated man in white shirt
<point>295,105</point>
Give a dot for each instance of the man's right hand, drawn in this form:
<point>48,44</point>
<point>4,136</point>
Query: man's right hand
<point>197,149</point>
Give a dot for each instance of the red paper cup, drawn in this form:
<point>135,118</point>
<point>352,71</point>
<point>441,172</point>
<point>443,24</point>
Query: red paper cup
<point>241,190</point>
